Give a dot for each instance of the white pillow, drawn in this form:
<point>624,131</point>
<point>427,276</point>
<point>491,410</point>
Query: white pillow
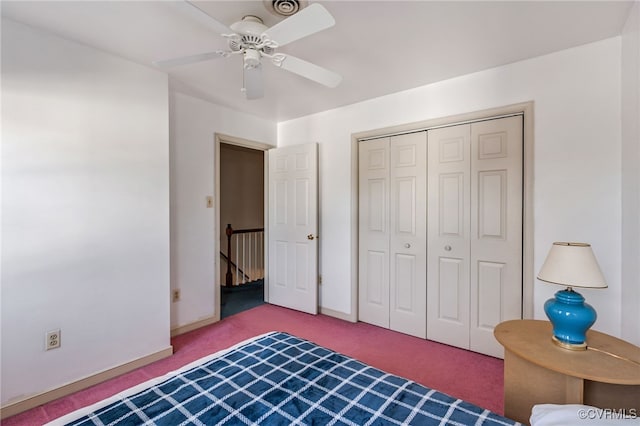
<point>581,415</point>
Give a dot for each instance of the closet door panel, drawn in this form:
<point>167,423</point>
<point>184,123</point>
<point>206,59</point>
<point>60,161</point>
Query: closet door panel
<point>496,229</point>
<point>375,275</point>
<point>404,281</point>
<point>448,235</point>
<point>490,288</point>
<point>450,286</point>
<point>373,270</point>
<point>408,227</point>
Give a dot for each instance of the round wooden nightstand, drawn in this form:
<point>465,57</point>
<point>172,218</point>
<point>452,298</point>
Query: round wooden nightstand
<point>536,371</point>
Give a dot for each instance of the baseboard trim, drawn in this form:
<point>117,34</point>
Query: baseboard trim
<point>53,394</point>
<point>339,315</point>
<point>194,325</point>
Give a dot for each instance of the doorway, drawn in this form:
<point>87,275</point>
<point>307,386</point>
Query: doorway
<point>240,224</point>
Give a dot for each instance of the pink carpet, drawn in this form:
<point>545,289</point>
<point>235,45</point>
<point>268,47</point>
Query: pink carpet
<point>463,374</point>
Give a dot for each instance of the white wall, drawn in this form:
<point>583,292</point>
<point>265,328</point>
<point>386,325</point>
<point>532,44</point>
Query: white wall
<point>85,211</point>
<point>194,123</point>
<point>631,176</point>
<point>577,152</point>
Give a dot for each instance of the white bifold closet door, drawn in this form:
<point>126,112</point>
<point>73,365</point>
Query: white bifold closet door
<point>392,233</point>
<point>474,266</point>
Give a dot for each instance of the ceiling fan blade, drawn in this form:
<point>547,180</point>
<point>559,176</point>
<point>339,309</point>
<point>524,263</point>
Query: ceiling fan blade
<point>203,17</point>
<point>309,20</point>
<point>309,70</point>
<point>253,87</point>
<point>184,60</point>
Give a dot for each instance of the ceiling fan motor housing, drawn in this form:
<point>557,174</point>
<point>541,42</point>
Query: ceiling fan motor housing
<point>249,26</point>
<point>249,30</point>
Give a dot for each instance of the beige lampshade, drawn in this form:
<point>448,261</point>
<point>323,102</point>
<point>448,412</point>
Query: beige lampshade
<point>573,265</point>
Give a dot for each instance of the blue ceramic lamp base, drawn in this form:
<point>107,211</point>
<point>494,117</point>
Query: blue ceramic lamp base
<point>571,318</point>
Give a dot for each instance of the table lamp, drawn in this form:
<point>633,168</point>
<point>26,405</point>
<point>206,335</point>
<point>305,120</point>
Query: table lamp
<point>571,265</point>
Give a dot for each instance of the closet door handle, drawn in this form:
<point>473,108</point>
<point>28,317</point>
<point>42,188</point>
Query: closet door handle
<point>447,248</point>
<point>407,245</point>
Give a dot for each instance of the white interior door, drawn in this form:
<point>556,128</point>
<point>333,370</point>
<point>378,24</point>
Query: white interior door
<point>408,232</point>
<point>392,233</point>
<point>292,275</point>
<point>496,229</point>
<point>475,232</point>
<point>448,240</point>
<point>373,231</point>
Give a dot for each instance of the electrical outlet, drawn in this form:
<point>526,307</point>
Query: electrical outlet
<point>175,295</point>
<point>52,339</point>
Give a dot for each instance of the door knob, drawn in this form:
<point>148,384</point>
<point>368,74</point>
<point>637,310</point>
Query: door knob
<point>447,248</point>
<point>310,237</point>
<point>407,245</point>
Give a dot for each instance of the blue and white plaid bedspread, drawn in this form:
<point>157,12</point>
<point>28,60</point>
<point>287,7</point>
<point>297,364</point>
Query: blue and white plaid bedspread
<point>279,379</point>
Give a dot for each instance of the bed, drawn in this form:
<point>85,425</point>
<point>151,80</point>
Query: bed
<point>280,379</point>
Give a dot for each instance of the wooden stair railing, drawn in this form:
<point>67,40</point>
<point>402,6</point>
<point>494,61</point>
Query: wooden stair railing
<point>255,263</point>
<point>234,266</point>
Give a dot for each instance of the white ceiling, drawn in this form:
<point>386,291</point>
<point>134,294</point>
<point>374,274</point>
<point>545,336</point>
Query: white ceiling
<point>379,47</point>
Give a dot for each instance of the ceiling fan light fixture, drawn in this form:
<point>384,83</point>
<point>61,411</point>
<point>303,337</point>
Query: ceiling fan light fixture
<point>251,58</point>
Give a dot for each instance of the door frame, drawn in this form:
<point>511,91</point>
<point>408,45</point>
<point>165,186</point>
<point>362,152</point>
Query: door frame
<point>524,108</point>
<point>246,143</point>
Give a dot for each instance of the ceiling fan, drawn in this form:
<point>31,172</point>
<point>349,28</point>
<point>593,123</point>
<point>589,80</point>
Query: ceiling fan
<point>254,41</point>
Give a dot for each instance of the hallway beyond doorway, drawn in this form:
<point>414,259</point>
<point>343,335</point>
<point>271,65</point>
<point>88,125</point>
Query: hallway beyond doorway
<point>240,298</point>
